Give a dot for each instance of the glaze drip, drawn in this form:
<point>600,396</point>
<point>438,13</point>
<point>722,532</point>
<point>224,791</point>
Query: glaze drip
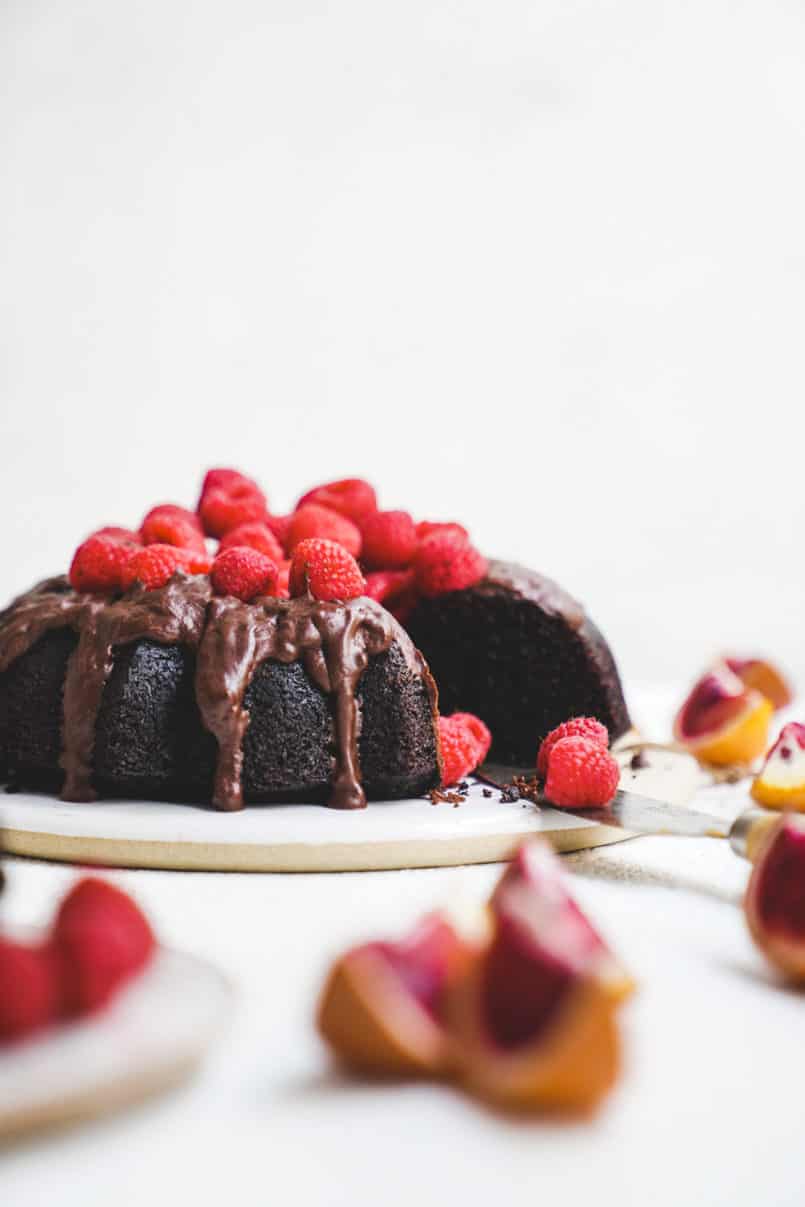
<point>333,641</point>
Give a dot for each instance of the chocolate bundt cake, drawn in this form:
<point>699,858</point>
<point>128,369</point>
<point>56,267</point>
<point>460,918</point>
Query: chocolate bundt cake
<point>173,693</point>
<point>522,654</point>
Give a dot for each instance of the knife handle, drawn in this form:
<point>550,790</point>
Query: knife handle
<point>749,831</point>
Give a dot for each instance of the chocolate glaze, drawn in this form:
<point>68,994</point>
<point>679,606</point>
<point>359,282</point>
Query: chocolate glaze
<point>537,588</point>
<point>173,614</point>
<point>333,641</point>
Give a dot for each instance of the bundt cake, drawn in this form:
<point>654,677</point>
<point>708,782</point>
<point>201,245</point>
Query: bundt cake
<point>271,671</point>
<point>171,693</point>
<point>522,654</point>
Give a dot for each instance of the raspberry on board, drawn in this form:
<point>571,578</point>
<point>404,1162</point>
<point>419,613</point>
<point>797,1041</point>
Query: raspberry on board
<point>576,727</point>
<point>479,731</point>
<point>389,540</point>
<point>326,570</point>
<point>102,939</point>
<point>313,520</point>
<point>256,536</point>
<point>445,561</point>
<point>351,497</point>
<point>100,564</point>
<point>581,774</point>
<point>244,573</point>
<point>460,750</point>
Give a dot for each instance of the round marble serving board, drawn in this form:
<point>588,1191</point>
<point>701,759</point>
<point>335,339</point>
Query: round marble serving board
<point>311,838</point>
<point>151,1038</point>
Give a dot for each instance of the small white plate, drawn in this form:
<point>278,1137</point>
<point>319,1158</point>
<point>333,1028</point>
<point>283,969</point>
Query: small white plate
<point>152,1036</point>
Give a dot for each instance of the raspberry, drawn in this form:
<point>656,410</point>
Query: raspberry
<point>156,565</point>
<point>255,536</point>
<point>226,480</point>
<point>283,575</point>
<point>479,731</point>
<point>313,520</point>
<point>351,497</point>
<point>102,938</point>
<point>182,513</point>
<point>29,990</point>
<point>445,562</point>
<point>244,573</point>
<point>460,750</point>
<point>123,536</point>
<point>581,773</point>
<point>171,525</point>
<point>194,563</point>
<point>100,564</point>
<point>222,509</point>
<point>428,527</point>
<point>576,727</point>
<point>387,585</point>
<point>279,525</point>
<point>389,540</point>
<point>325,569</point>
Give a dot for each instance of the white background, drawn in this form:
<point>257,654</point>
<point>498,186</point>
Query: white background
<point>537,266</point>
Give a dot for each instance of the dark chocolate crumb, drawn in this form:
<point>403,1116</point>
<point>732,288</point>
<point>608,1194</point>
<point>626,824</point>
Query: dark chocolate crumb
<point>487,792</point>
<point>528,788</point>
<point>438,796</point>
<point>638,760</point>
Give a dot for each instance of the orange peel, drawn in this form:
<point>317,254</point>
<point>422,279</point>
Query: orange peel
<point>763,677</point>
<point>723,722</point>
<point>379,1009</point>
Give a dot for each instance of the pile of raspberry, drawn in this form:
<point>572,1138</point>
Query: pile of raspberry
<point>98,941</point>
<point>337,544</point>
<point>576,766</point>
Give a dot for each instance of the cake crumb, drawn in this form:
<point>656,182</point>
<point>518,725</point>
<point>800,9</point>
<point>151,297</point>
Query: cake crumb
<point>528,788</point>
<point>438,796</point>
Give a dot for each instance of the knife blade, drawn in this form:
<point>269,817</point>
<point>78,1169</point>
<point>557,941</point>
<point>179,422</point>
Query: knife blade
<point>628,810</point>
<point>644,815</point>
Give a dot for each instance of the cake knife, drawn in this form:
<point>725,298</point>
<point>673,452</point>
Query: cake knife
<point>644,815</point>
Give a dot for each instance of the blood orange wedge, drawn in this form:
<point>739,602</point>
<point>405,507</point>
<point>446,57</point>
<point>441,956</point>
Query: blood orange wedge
<point>381,1010</point>
<point>723,721</point>
<point>764,677</point>
<point>781,782</point>
<point>535,1015</point>
<point>775,898</point>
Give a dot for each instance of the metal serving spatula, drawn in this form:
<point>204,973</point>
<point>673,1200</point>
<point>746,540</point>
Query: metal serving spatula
<point>644,815</point>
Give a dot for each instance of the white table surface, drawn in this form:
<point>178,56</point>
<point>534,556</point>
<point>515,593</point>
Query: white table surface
<point>708,1111</point>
